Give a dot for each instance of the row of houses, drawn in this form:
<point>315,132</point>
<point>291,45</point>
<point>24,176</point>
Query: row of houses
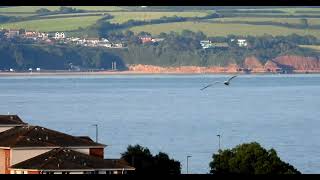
<point>60,37</point>
<point>31,149</point>
<point>207,44</point>
<point>94,42</point>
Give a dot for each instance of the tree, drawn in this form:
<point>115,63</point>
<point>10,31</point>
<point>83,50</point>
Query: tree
<point>42,11</point>
<point>145,163</point>
<point>249,158</point>
<point>304,22</point>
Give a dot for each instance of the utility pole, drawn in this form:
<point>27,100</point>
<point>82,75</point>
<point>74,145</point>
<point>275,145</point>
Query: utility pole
<point>96,125</point>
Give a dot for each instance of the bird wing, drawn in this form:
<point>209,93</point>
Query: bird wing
<point>209,85</point>
<point>231,78</point>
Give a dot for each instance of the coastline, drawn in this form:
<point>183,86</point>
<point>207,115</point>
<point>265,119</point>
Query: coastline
<point>83,73</point>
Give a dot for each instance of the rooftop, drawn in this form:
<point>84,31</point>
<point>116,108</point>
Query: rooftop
<point>11,120</point>
<point>66,159</point>
<point>36,136</point>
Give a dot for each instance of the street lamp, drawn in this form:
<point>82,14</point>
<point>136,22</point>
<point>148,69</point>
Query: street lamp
<point>96,125</point>
<point>188,164</point>
<point>219,136</point>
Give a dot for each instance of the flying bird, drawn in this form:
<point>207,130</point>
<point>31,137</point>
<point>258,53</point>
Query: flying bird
<point>227,83</point>
<point>209,85</point>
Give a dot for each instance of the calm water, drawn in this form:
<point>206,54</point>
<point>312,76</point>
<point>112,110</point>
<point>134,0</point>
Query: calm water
<point>170,113</point>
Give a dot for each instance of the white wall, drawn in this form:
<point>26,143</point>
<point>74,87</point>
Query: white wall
<point>5,128</point>
<point>84,151</point>
<point>19,155</point>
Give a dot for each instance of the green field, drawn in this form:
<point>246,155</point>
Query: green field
<point>313,47</point>
<point>311,21</point>
<point>63,22</point>
<point>212,29</point>
<point>53,8</point>
<point>27,8</point>
<point>98,8</point>
<point>18,15</point>
<point>74,14</point>
<point>121,17</point>
<point>49,25</point>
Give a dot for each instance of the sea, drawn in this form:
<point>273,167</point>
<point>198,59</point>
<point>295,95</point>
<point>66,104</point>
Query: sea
<point>169,113</point>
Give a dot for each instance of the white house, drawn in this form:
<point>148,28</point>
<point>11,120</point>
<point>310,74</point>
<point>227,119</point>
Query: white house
<point>59,35</point>
<point>206,44</point>
<point>242,42</point>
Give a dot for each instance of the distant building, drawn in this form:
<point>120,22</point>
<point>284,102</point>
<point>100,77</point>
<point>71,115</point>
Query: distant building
<point>12,33</point>
<point>205,44</point>
<point>59,35</point>
<point>43,36</point>
<point>242,42</point>
<point>117,45</point>
<point>145,39</point>
<point>157,39</point>
<point>92,41</point>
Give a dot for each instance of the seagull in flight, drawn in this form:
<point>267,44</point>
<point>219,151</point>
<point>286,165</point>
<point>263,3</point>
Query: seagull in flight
<point>209,85</point>
<point>227,83</point>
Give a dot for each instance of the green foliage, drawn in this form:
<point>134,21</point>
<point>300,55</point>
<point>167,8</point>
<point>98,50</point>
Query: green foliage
<point>145,163</point>
<point>43,11</point>
<point>24,56</point>
<point>249,158</point>
<point>184,49</point>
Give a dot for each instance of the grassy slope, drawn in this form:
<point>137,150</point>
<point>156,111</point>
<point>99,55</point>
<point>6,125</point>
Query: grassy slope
<point>59,24</point>
<point>213,29</point>
<point>27,8</point>
<point>53,8</point>
<point>121,17</point>
<point>311,21</point>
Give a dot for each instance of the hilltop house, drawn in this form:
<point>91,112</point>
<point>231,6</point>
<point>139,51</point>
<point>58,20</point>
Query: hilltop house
<point>59,35</point>
<point>145,39</point>
<point>26,149</point>
<point>35,35</point>
<point>205,44</point>
<point>12,33</point>
<point>240,42</point>
<point>148,39</point>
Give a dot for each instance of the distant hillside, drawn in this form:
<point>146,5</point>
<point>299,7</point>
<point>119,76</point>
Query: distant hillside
<point>25,56</point>
<point>68,19</point>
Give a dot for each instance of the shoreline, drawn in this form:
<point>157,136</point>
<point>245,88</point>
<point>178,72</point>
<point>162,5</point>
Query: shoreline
<point>68,73</point>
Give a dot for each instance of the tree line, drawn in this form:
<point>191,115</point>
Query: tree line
<point>247,158</point>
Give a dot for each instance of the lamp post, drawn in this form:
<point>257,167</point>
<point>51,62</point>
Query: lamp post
<point>188,164</point>
<point>96,125</point>
<point>219,136</point>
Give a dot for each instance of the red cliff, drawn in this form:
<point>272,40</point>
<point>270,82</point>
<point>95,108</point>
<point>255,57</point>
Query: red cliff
<point>299,63</point>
